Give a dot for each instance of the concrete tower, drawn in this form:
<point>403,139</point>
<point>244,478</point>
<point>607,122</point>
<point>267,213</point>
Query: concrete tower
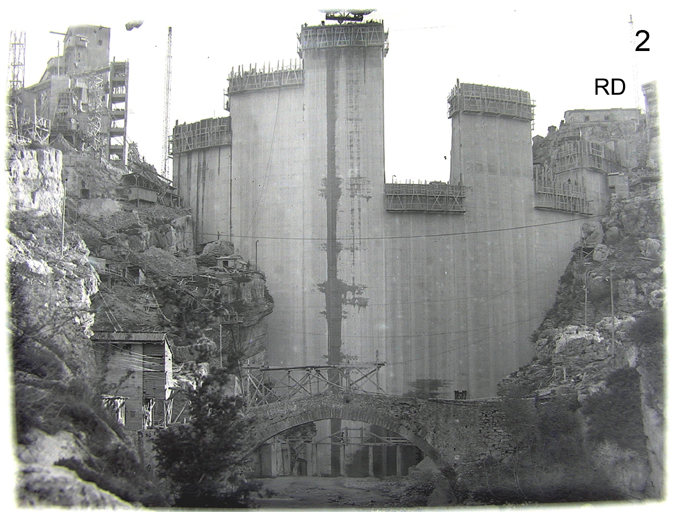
<point>308,169</point>
<point>442,281</point>
<point>344,121</point>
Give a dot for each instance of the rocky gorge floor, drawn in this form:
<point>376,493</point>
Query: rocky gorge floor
<point>291,492</point>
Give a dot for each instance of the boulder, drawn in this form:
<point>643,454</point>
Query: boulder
<point>219,248</point>
<point>426,465</point>
<point>591,234</point>
<point>600,253</point>
<point>441,495</point>
<point>53,486</point>
<point>612,235</point>
<point>598,287</point>
<point>656,300</point>
<point>650,248</point>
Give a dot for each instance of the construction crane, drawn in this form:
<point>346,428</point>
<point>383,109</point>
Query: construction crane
<point>165,170</point>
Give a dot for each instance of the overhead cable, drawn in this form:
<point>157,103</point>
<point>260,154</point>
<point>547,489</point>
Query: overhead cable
<point>400,237</point>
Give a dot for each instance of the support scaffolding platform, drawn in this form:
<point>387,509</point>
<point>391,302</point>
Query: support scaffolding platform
<point>489,100</point>
<point>582,154</point>
<point>338,36</point>
<point>202,134</point>
<point>253,79</point>
<point>553,194</point>
<point>434,197</point>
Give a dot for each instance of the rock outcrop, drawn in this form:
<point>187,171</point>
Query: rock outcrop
<point>34,186</point>
<point>152,280</point>
<point>70,453</point>
<point>602,342</point>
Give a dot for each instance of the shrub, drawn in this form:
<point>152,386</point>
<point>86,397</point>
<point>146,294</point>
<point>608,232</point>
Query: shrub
<point>615,414</point>
<point>648,329</point>
<point>202,458</point>
<point>549,463</point>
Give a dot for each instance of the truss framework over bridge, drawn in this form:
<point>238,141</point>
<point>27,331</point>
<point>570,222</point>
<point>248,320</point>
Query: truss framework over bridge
<point>262,385</point>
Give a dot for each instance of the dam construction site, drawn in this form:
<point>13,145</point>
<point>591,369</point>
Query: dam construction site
<point>272,319</point>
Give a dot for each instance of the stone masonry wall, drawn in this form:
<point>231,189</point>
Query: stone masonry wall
<point>448,431</point>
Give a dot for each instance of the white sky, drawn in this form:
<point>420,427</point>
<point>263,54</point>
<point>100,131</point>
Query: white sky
<point>553,50</point>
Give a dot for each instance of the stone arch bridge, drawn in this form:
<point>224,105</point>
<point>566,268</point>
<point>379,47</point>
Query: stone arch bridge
<point>448,431</point>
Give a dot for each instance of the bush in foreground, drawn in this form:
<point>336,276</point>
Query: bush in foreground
<point>201,458</point>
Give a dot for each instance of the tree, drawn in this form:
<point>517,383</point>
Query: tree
<point>201,458</point>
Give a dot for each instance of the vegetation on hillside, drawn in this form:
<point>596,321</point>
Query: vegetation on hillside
<point>55,393</point>
<point>202,458</point>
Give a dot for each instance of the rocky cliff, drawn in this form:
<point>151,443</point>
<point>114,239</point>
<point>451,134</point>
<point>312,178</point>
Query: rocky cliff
<point>151,277</point>
<point>601,344</point>
<point>83,259</point>
<point>69,451</point>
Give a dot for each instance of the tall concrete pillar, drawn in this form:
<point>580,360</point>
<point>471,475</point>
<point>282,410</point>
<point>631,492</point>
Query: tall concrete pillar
<point>344,97</point>
<point>269,466</point>
<point>371,469</point>
<point>385,471</point>
<point>309,455</point>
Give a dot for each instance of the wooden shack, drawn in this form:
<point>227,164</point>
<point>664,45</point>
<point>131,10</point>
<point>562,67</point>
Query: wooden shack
<point>137,366</point>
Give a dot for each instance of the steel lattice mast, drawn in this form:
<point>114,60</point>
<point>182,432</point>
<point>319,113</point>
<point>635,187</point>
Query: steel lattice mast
<point>17,56</point>
<point>165,171</point>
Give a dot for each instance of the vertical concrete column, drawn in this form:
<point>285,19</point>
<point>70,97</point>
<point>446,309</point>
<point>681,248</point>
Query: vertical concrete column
<point>277,455</point>
<point>268,460</point>
<point>309,456</point>
<point>399,461</point>
<point>371,469</point>
<point>316,471</point>
<point>384,460</point>
<point>342,461</point>
<point>286,459</point>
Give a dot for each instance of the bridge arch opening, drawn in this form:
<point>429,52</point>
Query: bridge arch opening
<point>366,443</point>
<point>356,449</point>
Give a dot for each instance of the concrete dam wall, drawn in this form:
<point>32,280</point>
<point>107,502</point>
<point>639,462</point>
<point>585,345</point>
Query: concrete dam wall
<point>442,292</point>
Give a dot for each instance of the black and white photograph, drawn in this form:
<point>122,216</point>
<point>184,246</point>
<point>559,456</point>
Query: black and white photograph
<point>294,255</point>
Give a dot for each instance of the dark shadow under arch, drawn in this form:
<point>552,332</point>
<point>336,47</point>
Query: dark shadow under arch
<point>261,433</point>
